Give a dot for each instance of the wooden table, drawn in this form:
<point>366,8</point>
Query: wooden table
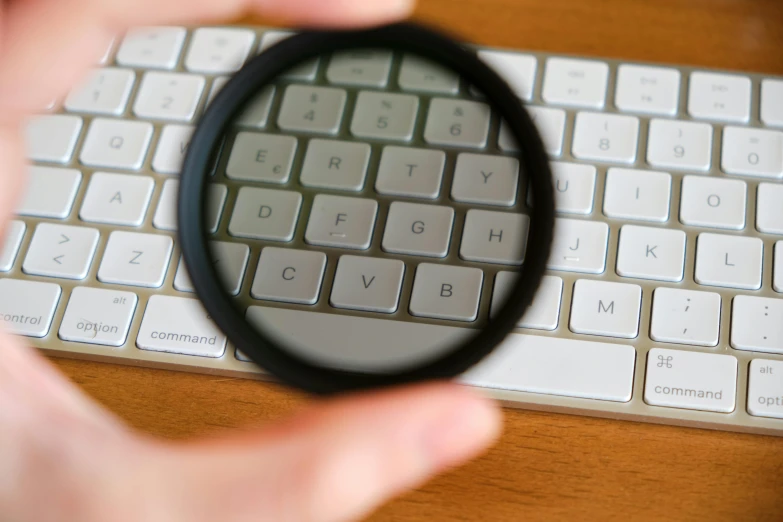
<point>546,466</point>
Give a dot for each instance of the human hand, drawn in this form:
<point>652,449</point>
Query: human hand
<point>63,457</point>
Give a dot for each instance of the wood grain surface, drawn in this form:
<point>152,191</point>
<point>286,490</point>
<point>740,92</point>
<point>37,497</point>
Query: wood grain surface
<point>547,466</point>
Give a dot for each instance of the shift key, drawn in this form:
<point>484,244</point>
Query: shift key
<point>179,325</point>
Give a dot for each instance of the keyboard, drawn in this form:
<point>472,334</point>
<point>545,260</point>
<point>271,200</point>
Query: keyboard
<point>663,300</point>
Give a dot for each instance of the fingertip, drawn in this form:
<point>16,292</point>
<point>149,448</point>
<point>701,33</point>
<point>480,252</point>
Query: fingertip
<point>341,13</point>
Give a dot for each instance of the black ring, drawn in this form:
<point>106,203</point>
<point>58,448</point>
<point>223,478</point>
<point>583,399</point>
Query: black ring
<point>206,143</point>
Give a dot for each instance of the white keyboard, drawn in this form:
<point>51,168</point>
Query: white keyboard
<point>664,297</point>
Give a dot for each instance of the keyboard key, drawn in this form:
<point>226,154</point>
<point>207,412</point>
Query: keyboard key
<point>419,74</point>
<point>13,240</point>
<point>457,123</point>
<point>136,259</point>
<point>551,127</point>
<point>152,47</point>
<point>261,157</point>
<point>685,317</point>
<point>179,325</point>
<point>691,380</point>
<point>757,324</point>
<point>312,109</point>
<point>637,194</point>
<point>518,70</point>
<point>61,251</point>
<point>117,199</point>
<point>446,292</point>
<point>341,222</point>
<point>339,165</point>
<point>765,388</point>
<point>543,313</point>
<point>419,230</point>
<point>554,366</point>
<point>769,211</point>
<point>116,144</point>
<point>752,152</point>
<point>777,282</point>
<point>719,97</point>
<point>772,102</point>
<point>404,171</point>
<point>603,308</point>
<point>50,192</point>
<point>575,83</point>
<point>679,145</point>
<point>105,91</point>
<point>304,72</point>
<point>98,316</point>
<point>574,187</point>
<point>651,253</point>
<point>265,214</point>
<point>216,50</point>
<point>230,260</point>
<point>289,276</point>
<point>494,237</point>
<point>166,214</point>
<point>256,113</point>
<point>729,261</point>
<point>713,202</point>
<point>172,147</point>
<point>52,137</point>
<point>363,68</point>
<point>487,180</point>
<point>384,116</point>
<point>605,137</point>
<point>27,307</point>
<point>579,246</point>
<point>647,90</point>
<point>368,284</point>
<point>168,96</point>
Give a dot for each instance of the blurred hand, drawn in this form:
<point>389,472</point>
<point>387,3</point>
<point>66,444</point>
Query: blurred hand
<point>63,457</point>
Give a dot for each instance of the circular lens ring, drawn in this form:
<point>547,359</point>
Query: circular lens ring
<point>207,141</point>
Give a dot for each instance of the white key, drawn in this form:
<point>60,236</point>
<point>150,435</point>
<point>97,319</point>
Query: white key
<point>446,292</point>
<point>50,192</point>
<point>769,211</point>
<point>679,145</point>
<point>777,281</point>
<point>729,261</point>
<point>289,276</point>
<point>554,366</point>
<point>637,194</point>
<point>366,283</point>
<point>104,91</point>
<point>544,311</point>
<point>719,97</point>
<point>420,230</point>
<point>263,157</point>
<point>457,123</point>
<point>757,324</point>
<point>117,199</point>
<point>575,83</point>
<point>752,152</point>
<point>98,316</point>
<point>152,47</point>
<point>218,50</point>
<point>27,307</point>
<point>420,74</point>
<point>405,171</point>
<point>647,90</point>
<point>303,72</point>
<point>341,222</point>
<point>13,240</point>
<point>691,380</point>
<point>230,260</point>
<point>772,102</point>
<point>574,187</point>
<point>168,96</point>
<point>579,246</point>
<point>603,308</point>
<point>166,214</point>
<point>494,237</point>
<point>61,251</point>
<point>550,124</point>
<point>172,147</point>
<point>340,165</point>
<point>179,325</point>
<point>685,317</point>
<point>651,253</point>
<point>265,214</point>
<point>136,259</point>
<point>116,144</point>
<point>484,179</point>
<point>765,388</point>
<point>605,137</point>
<point>713,202</point>
<point>518,70</point>
<point>52,137</point>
